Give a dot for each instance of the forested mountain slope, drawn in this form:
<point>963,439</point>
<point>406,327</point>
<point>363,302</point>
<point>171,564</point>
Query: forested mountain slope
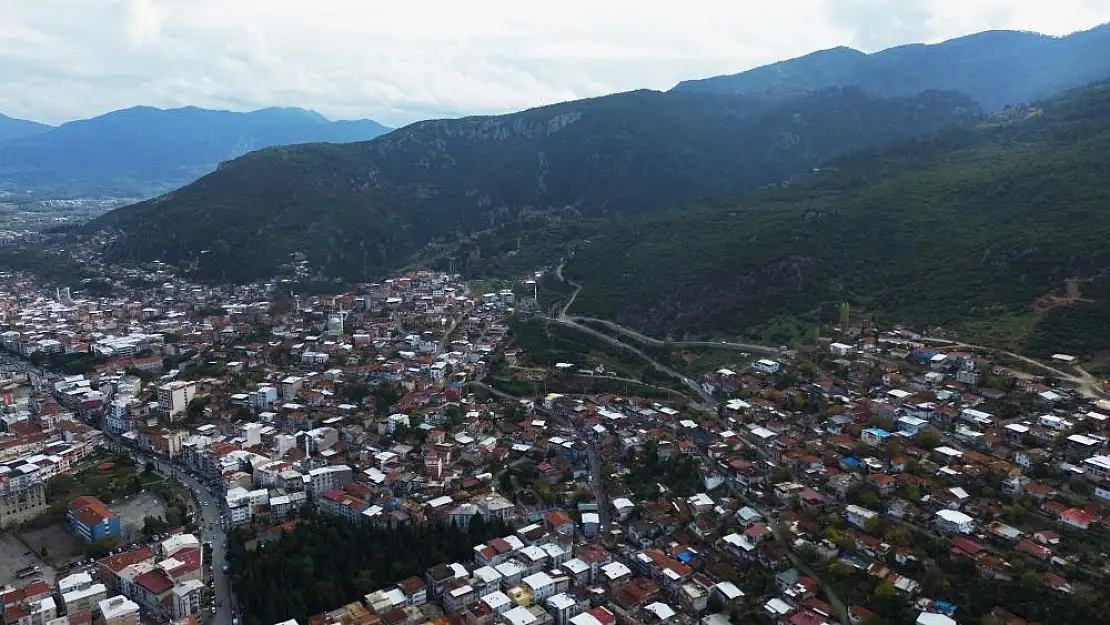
<point>357,210</point>
<point>1004,223</point>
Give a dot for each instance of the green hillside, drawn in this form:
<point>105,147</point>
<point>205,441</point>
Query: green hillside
<point>1005,224</point>
<point>358,210</point>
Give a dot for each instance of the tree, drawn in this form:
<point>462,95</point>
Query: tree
<point>505,481</point>
<point>872,525</point>
<point>930,438</point>
<point>101,548</point>
<point>365,582</point>
<point>153,525</point>
<point>196,406</point>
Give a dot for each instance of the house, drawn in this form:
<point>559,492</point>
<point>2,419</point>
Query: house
<point>541,584</point>
<point>875,437</point>
<point>623,507</point>
<point>559,522</point>
<point>929,618</point>
<point>765,365</point>
<point>564,607</point>
<point>1077,518</point>
<point>912,425</point>
<point>953,522</point>
<point>92,521</point>
<point>859,516</point>
<point>416,592</point>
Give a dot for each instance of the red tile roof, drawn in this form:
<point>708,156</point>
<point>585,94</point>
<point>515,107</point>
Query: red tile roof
<point>154,581</point>
<point>91,510</point>
<point>123,560</point>
<point>34,590</point>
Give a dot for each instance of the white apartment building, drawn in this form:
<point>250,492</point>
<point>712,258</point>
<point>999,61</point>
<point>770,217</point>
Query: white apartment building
<point>327,478</point>
<point>174,397</point>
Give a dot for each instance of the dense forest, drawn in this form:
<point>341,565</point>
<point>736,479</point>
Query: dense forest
<point>327,562</point>
<point>1001,221</point>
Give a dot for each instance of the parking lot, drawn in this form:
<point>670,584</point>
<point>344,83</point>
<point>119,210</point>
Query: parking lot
<point>14,556</point>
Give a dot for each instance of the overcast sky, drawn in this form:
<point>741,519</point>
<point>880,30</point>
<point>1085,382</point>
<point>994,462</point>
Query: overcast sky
<point>400,61</point>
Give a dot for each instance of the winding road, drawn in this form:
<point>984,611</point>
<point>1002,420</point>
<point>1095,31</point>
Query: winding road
<point>1088,385</point>
<point>709,400</point>
<point>643,338</point>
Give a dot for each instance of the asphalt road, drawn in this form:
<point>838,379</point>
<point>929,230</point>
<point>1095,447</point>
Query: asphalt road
<point>211,530</point>
<point>600,495</point>
<point>210,518</point>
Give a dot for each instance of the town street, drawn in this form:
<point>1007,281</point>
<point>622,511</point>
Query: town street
<point>208,519</point>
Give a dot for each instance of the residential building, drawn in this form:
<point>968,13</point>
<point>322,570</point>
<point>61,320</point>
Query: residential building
<point>119,611</point>
<point>92,521</point>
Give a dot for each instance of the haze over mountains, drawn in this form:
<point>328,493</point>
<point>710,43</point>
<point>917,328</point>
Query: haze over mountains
<point>636,165</point>
<point>995,68</point>
<point>143,151</point>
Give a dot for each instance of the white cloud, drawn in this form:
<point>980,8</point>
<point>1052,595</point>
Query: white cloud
<point>402,61</point>
<point>145,20</point>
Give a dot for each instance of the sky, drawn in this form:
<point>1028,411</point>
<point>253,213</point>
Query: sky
<point>402,61</point>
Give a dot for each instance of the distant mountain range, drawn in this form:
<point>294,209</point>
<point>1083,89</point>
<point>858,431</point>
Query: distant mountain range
<point>144,151</point>
<point>995,68</point>
<point>360,209</point>
<point>12,128</point>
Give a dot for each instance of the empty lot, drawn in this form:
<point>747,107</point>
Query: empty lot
<point>14,556</point>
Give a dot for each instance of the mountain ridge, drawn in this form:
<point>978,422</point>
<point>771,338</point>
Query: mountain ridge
<point>145,150</point>
<point>15,128</point>
<point>996,68</point>
<point>358,209</point>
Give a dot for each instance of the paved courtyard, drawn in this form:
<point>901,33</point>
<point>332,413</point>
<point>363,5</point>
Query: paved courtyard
<point>14,555</point>
<point>60,544</point>
<point>133,510</point>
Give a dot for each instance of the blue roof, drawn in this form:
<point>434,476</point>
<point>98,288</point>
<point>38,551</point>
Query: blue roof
<point>880,432</point>
<point>685,556</point>
<point>851,461</point>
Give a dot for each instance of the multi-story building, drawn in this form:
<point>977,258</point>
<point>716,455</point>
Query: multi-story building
<point>174,397</point>
<point>84,599</point>
<point>78,592</point>
<point>37,612</point>
<point>22,494</point>
<point>119,611</point>
<point>91,520</point>
<point>327,478</point>
<point>541,585</point>
<point>564,607</point>
<point>1097,468</point>
<point>187,598</point>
